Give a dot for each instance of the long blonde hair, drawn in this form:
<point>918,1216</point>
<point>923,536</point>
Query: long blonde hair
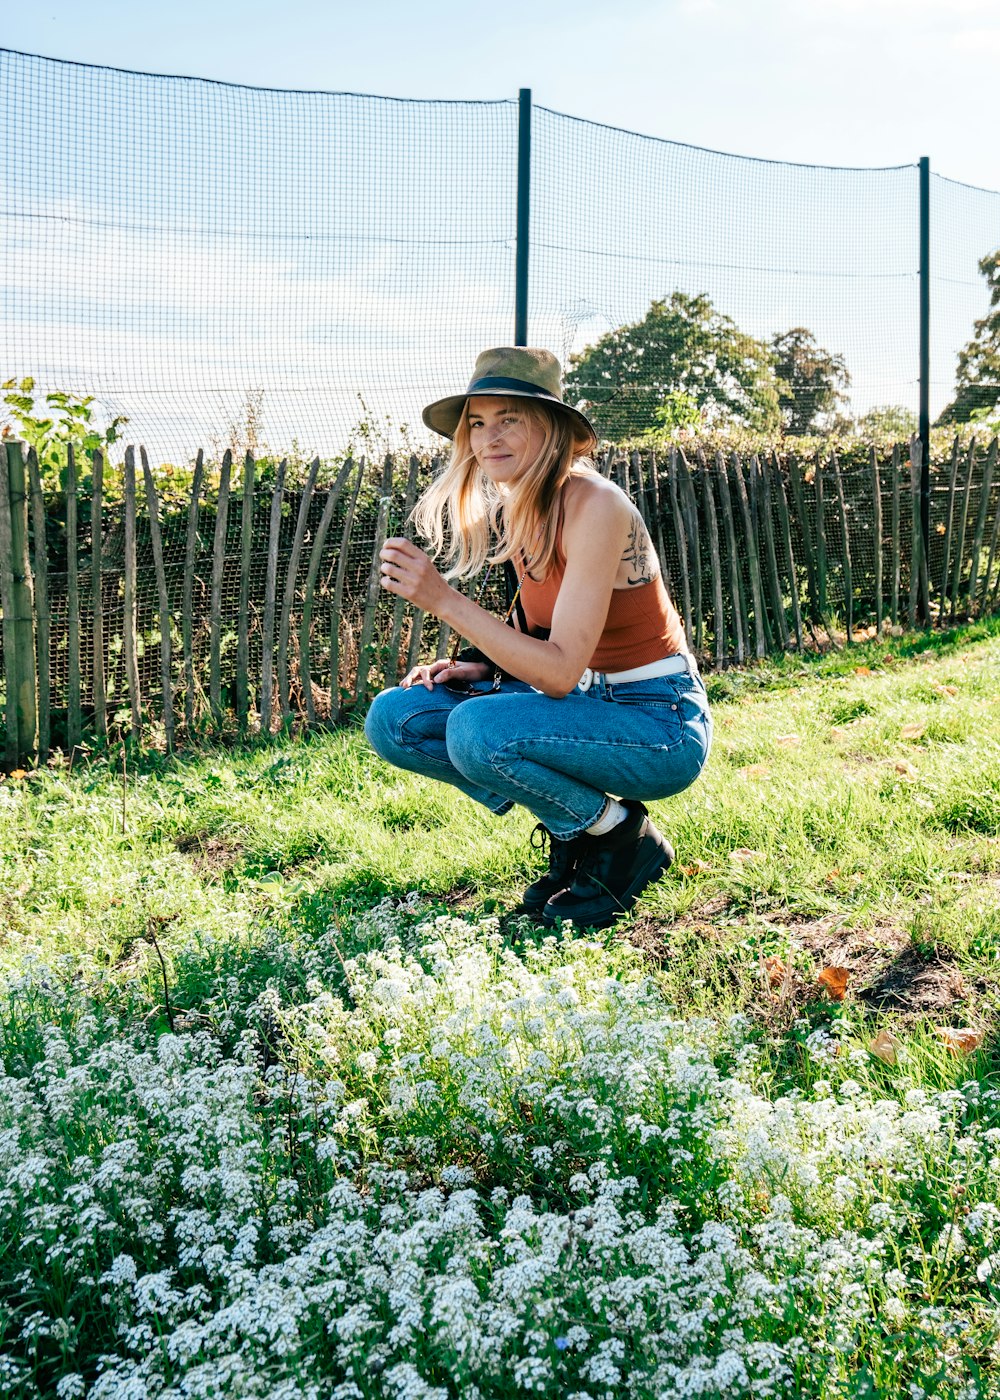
<point>462,512</point>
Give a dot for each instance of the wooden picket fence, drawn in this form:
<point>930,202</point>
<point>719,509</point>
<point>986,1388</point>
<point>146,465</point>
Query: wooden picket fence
<point>252,609</point>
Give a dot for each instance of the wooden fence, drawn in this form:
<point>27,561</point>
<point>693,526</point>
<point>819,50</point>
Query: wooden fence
<point>257,604</point>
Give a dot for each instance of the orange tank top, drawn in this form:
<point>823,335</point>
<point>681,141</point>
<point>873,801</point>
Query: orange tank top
<point>642,623</point>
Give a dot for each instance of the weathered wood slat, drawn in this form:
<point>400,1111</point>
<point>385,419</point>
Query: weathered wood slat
<point>986,487</point>
<point>877,527</point>
<point>43,628</point>
<point>845,540</point>
<point>288,597</point>
<point>963,525</point>
<point>336,699</point>
<point>130,642</point>
<point>949,522</point>
<point>680,536</point>
<point>12,744</point>
<point>270,595</point>
<point>215,601</point>
<point>187,605</point>
<point>753,556</point>
<point>156,540</point>
<point>916,535</point>
<point>243,612</point>
<point>715,557</point>
<point>895,555</point>
<point>796,486</point>
<point>365,644</point>
<point>309,590</point>
<point>773,575</point>
<point>654,479</point>
<point>755,493</point>
<point>732,559</point>
<point>74,709</point>
<point>97,595</point>
<point>689,507</point>
<point>786,534</point>
<point>400,605</point>
<point>822,564</point>
<point>994,539</point>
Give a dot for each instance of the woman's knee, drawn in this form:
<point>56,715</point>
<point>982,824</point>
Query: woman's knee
<point>405,720</point>
<point>468,737</point>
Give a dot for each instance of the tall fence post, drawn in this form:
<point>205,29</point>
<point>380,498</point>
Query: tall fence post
<point>22,629</point>
<point>11,747</point>
<point>523,216</point>
<point>925,357</point>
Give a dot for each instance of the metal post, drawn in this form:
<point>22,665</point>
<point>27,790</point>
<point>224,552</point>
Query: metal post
<point>523,212</point>
<point>925,352</point>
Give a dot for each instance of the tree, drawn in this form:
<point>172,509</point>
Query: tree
<point>683,362</point>
<point>811,380</point>
<point>977,382</point>
<point>890,420</point>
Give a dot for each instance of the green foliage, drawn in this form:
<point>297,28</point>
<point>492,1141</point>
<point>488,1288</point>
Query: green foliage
<point>886,422</point>
<point>67,419</point>
<point>811,379</point>
<point>977,381</point>
<point>683,355</point>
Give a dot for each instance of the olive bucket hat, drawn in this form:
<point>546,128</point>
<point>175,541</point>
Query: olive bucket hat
<point>512,372</point>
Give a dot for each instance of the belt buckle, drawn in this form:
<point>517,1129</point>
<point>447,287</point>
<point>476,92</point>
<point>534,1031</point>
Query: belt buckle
<point>586,680</point>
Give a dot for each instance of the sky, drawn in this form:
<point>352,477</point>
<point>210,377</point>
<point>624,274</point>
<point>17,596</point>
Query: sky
<point>181,250</point>
<point>835,82</point>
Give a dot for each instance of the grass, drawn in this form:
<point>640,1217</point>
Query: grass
<point>261,1000</point>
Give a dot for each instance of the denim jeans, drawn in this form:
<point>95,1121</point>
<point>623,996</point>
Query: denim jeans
<point>559,758</point>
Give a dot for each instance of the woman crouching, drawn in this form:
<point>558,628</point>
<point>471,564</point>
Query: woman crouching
<point>583,703</point>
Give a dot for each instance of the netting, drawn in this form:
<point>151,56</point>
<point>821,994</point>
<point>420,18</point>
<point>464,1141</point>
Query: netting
<point>224,264</point>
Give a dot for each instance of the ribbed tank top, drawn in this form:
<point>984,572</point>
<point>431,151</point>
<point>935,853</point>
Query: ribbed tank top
<point>642,623</point>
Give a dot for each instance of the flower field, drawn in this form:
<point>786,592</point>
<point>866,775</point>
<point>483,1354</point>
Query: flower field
<point>290,1110</point>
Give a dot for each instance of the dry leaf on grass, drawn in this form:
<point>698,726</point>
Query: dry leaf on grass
<point>754,770</point>
<point>744,854</point>
<point>960,1040</point>
<point>774,970</point>
<point>696,867</point>
<point>788,741</point>
<point>948,690</point>
<point>862,670</point>
<point>912,731</point>
<point>834,981</point>
<point>884,1047</point>
<point>905,768</point>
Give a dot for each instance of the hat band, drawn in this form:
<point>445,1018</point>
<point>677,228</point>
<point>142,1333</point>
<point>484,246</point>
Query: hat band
<point>517,386</point>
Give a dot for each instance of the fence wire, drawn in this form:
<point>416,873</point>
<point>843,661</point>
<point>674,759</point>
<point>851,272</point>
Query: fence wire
<point>228,265</point>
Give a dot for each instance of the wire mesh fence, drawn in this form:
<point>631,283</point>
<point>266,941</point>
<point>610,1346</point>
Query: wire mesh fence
<point>236,266</point>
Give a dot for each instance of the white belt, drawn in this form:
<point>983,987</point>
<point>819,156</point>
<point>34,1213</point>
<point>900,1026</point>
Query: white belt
<point>682,663</point>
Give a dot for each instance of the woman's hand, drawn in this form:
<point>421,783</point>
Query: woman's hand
<point>462,672</point>
<point>408,571</point>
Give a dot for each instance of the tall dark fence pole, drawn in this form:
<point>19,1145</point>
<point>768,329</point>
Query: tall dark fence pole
<point>925,355</point>
<point>22,605</point>
<point>523,216</point>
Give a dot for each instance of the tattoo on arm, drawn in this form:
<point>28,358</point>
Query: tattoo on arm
<point>638,555</point>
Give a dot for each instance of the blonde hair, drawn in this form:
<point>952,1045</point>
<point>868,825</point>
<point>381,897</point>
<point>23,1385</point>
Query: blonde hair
<point>463,505</point>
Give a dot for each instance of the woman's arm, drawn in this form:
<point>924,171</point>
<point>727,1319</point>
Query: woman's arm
<point>595,533</point>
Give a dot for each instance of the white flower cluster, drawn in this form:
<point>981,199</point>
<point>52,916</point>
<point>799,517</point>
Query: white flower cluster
<point>476,1173</point>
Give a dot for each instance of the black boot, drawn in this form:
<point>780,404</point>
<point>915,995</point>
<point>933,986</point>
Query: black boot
<point>612,871</point>
<point>562,864</point>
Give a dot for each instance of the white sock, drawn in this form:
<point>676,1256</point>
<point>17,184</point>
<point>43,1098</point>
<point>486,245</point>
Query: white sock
<point>614,813</point>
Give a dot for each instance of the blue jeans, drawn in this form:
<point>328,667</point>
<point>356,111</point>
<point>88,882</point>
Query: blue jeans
<point>559,758</point>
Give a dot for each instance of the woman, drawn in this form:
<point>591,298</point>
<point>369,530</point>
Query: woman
<point>588,703</point>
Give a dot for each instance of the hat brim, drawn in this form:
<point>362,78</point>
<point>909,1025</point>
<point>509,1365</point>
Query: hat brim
<point>444,415</point>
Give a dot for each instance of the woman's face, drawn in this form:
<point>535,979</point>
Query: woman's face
<point>504,440</point>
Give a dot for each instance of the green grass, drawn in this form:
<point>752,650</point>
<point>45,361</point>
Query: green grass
<point>259,1001</point>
